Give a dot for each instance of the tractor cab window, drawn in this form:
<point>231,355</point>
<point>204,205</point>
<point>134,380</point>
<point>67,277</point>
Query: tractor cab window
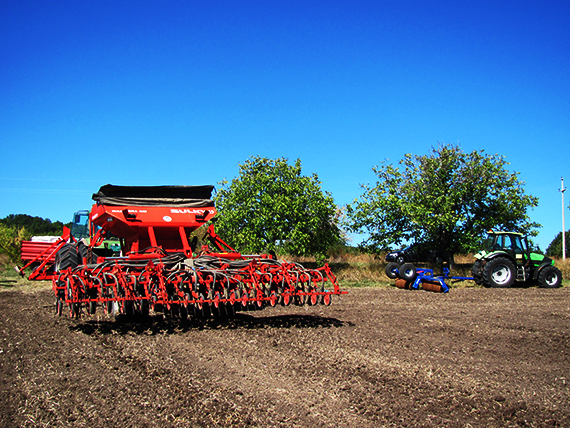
<point>515,243</point>
<point>80,226</point>
<point>510,243</point>
<point>498,243</point>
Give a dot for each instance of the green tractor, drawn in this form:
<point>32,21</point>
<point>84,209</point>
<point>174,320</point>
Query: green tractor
<point>508,258</point>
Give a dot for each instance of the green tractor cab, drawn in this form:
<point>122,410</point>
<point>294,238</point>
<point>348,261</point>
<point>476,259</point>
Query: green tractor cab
<point>110,246</point>
<point>507,258</point>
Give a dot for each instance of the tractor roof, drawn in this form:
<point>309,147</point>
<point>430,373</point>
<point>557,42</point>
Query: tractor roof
<point>499,232</point>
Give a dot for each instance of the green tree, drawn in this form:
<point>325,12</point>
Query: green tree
<point>11,242</point>
<point>555,247</point>
<point>448,198</point>
<point>34,225</point>
<point>270,206</point>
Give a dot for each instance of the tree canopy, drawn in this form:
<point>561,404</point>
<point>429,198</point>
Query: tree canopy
<point>447,197</point>
<point>34,225</point>
<point>271,206</point>
<point>11,241</point>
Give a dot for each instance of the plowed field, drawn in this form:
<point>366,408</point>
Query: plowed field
<point>376,357</point>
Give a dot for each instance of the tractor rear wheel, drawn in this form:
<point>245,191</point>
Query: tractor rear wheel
<point>550,277</point>
<point>83,253</point>
<point>499,273</point>
<point>66,257</point>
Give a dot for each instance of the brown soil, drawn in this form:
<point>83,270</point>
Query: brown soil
<point>377,357</point>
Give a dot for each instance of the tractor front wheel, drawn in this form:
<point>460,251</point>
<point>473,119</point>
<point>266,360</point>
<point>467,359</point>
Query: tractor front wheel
<point>550,277</point>
<point>499,273</point>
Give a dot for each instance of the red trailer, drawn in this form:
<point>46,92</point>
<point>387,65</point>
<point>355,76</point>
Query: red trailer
<point>39,255</point>
<point>160,268</point>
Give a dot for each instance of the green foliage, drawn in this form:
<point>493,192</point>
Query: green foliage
<point>447,197</point>
<point>34,225</point>
<point>555,247</point>
<point>11,242</point>
<point>270,206</point>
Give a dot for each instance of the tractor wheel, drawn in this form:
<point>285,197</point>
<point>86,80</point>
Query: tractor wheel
<point>392,270</point>
<point>499,273</point>
<point>66,257</point>
<point>550,277</point>
<point>476,272</point>
<point>408,272</point>
<point>83,252</point>
<point>400,260</point>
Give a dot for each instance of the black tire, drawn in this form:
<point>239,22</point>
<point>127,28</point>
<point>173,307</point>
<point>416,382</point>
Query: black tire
<point>392,270</point>
<point>83,253</point>
<point>476,272</point>
<point>92,308</point>
<point>59,304</point>
<point>408,272</point>
<point>499,273</point>
<point>400,260</point>
<point>550,277</point>
<point>66,257</point>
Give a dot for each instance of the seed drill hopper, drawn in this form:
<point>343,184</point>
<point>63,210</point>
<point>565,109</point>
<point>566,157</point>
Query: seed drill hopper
<point>160,268</point>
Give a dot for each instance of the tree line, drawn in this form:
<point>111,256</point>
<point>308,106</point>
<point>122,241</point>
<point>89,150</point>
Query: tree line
<point>16,228</point>
<point>447,198</point>
<point>34,225</point>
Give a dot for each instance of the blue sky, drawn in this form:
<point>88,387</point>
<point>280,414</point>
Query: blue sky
<point>181,92</point>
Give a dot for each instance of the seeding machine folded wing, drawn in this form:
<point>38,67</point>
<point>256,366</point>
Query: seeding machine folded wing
<point>157,269</point>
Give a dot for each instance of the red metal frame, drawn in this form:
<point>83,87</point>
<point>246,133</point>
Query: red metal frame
<point>43,253</point>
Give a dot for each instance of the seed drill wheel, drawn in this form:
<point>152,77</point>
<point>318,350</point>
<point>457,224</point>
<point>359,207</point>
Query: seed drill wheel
<point>59,304</point>
<point>216,304</point>
<point>128,308</point>
<point>253,302</point>
<point>300,296</point>
<point>183,312</point>
<point>243,299</point>
<point>200,308</point>
<point>230,308</point>
<point>74,308</point>
<point>273,299</point>
<point>286,298</point>
<point>258,302</point>
<point>313,297</point>
<point>174,310</point>
<point>92,308</point>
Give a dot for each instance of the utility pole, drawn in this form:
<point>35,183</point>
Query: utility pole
<point>562,189</point>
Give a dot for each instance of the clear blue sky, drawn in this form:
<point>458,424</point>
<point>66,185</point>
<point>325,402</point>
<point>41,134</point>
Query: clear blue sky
<point>181,92</point>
